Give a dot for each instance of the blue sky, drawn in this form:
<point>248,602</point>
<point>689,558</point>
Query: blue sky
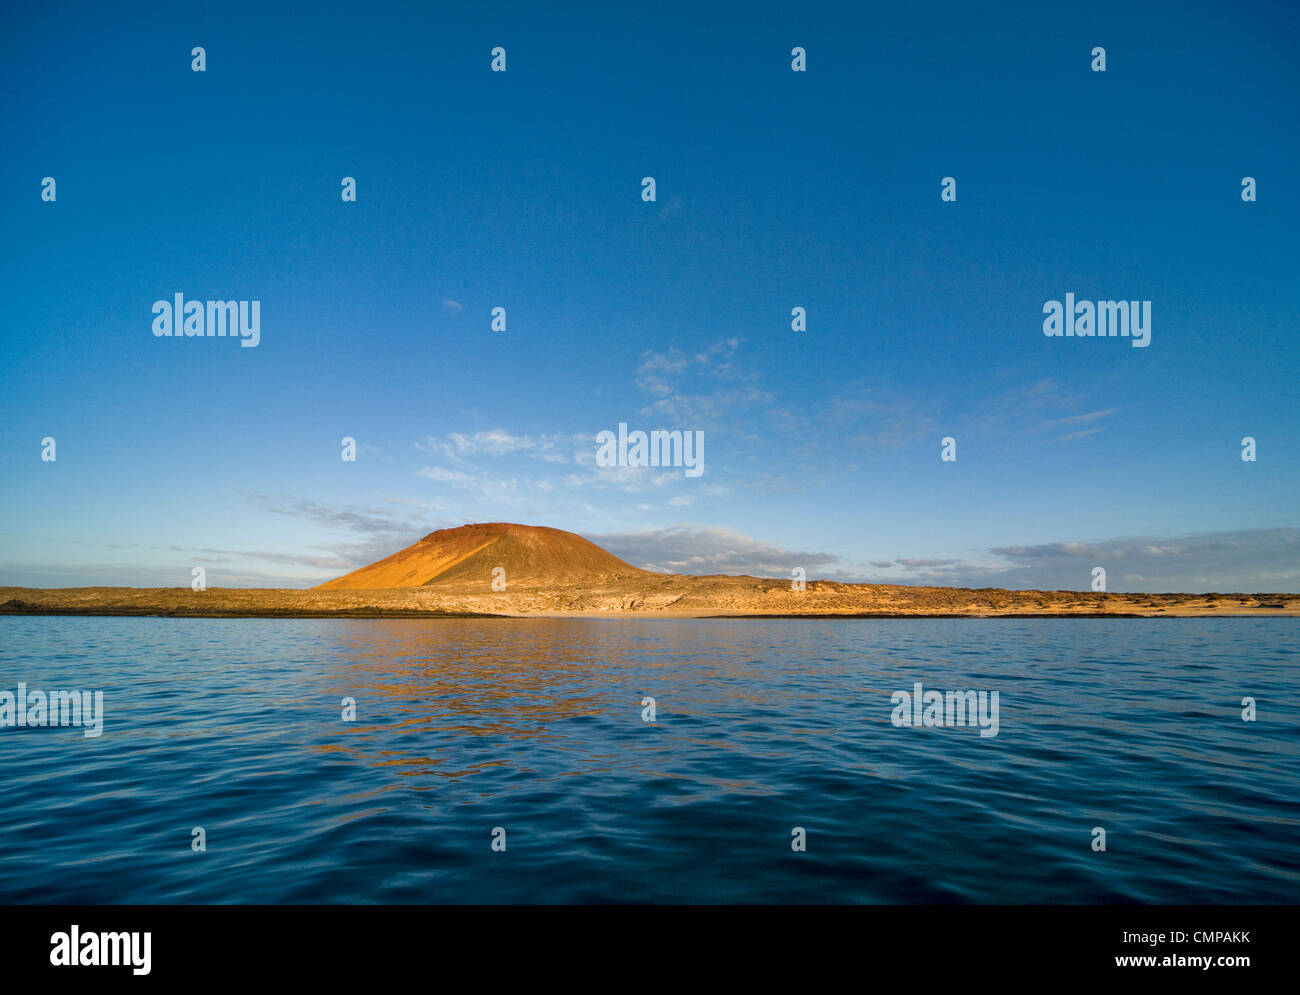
<point>775,189</point>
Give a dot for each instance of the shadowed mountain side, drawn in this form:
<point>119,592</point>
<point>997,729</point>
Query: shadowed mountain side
<point>530,555</point>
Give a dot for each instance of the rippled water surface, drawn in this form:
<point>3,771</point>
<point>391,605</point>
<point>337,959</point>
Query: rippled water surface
<point>536,726</point>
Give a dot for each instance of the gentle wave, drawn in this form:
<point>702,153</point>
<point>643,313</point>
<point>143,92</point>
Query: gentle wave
<point>535,726</point>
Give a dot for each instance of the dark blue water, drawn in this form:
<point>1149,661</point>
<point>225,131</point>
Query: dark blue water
<point>536,727</point>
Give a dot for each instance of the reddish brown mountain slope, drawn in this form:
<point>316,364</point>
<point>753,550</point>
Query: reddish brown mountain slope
<point>532,556</point>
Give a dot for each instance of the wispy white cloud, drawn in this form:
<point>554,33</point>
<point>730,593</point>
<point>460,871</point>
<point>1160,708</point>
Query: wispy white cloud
<point>1248,560</point>
<point>692,549</point>
<point>498,442</point>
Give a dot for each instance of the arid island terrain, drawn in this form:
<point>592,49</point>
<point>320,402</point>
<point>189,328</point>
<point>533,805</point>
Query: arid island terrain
<point>501,569</point>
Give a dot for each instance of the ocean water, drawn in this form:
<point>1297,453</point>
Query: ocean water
<point>761,726</point>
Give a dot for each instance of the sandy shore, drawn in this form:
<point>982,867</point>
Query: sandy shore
<point>659,597</point>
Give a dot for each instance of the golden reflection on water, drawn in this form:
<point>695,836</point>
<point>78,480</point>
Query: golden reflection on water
<point>470,678</point>
<point>475,680</point>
